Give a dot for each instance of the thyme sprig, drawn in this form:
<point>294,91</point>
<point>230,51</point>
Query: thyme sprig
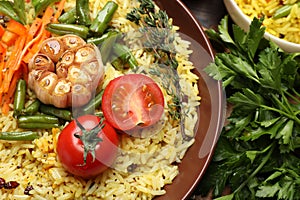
<point>157,32</point>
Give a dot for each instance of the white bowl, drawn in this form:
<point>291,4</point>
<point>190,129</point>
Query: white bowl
<point>244,21</point>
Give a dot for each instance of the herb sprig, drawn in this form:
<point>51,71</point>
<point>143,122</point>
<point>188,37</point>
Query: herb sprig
<point>157,31</point>
<point>257,154</point>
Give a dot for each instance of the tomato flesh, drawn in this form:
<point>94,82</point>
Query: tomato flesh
<point>70,149</point>
<point>132,101</point>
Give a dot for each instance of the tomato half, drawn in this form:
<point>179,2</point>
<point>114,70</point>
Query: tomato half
<point>132,101</point>
<point>70,148</point>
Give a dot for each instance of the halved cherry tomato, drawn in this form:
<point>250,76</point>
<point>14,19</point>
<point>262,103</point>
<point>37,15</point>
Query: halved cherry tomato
<point>71,148</point>
<point>132,101</point>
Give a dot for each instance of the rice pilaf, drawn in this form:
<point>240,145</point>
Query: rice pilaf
<point>144,165</point>
<point>287,28</point>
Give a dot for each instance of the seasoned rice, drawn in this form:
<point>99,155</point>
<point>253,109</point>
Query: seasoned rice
<point>287,28</point>
<point>143,165</point>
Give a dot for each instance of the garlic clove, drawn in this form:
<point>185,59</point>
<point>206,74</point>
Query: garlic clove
<point>60,93</point>
<point>44,87</point>
<point>41,61</point>
<point>76,75</point>
<point>53,48</point>
<point>72,41</point>
<point>67,58</point>
<point>80,95</point>
<point>85,53</point>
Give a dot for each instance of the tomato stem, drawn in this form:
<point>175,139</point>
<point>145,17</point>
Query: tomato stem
<point>89,138</point>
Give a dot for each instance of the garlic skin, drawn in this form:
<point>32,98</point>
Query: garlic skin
<point>66,71</point>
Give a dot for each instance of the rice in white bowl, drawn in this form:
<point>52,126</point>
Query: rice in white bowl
<point>144,165</point>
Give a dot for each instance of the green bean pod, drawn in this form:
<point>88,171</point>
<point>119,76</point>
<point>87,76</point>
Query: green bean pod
<point>83,12</point>
<point>32,108</point>
<point>47,119</point>
<point>37,125</point>
<point>93,104</point>
<point>7,8</point>
<point>19,98</point>
<point>102,38</point>
<point>58,112</point>
<point>104,16</point>
<point>19,7</point>
<point>41,5</point>
<point>284,11</point>
<point>63,29</point>
<point>68,17</point>
<point>126,56</point>
<point>19,136</point>
<point>106,46</point>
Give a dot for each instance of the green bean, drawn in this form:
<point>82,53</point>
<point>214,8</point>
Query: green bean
<point>93,104</point>
<point>7,8</point>
<point>126,56</point>
<point>284,11</point>
<point>68,17</point>
<point>19,136</point>
<point>46,119</point>
<point>63,29</point>
<point>102,38</point>
<point>19,99</point>
<point>107,46</point>
<point>41,5</point>
<point>58,112</point>
<point>37,125</point>
<point>19,7</point>
<point>32,108</point>
<point>83,12</point>
<point>118,64</point>
<point>104,16</point>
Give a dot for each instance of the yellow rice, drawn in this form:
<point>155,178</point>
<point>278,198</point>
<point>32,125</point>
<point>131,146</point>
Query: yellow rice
<point>287,28</point>
<point>35,163</point>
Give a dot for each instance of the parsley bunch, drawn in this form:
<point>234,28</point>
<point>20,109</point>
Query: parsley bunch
<point>257,155</point>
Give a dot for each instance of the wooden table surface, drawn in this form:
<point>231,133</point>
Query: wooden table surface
<point>208,12</point>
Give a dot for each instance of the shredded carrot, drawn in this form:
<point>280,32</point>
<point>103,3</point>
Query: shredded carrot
<point>9,95</point>
<point>2,30</point>
<point>48,14</point>
<point>25,41</point>
<point>9,38</point>
<point>59,10</point>
<point>16,27</point>
<point>35,26</point>
<point>28,52</point>
<point>12,64</point>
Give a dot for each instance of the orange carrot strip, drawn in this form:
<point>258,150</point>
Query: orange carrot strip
<point>59,10</point>
<point>35,26</point>
<point>16,27</point>
<point>2,62</point>
<point>2,30</point>
<point>9,37</point>
<point>47,16</point>
<point>24,69</point>
<point>39,37</point>
<point>9,95</point>
<point>13,62</point>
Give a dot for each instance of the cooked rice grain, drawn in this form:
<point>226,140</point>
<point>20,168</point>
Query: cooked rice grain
<point>287,28</point>
<point>144,165</point>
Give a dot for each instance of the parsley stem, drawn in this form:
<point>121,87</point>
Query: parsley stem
<point>292,117</point>
<point>264,161</point>
<point>294,97</point>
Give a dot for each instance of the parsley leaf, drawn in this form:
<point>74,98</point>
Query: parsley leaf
<point>258,152</point>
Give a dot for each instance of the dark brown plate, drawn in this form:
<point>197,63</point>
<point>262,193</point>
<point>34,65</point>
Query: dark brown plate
<point>212,108</point>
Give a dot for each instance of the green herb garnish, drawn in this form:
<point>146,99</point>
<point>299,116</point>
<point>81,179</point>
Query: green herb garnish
<point>156,30</point>
<point>257,154</point>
